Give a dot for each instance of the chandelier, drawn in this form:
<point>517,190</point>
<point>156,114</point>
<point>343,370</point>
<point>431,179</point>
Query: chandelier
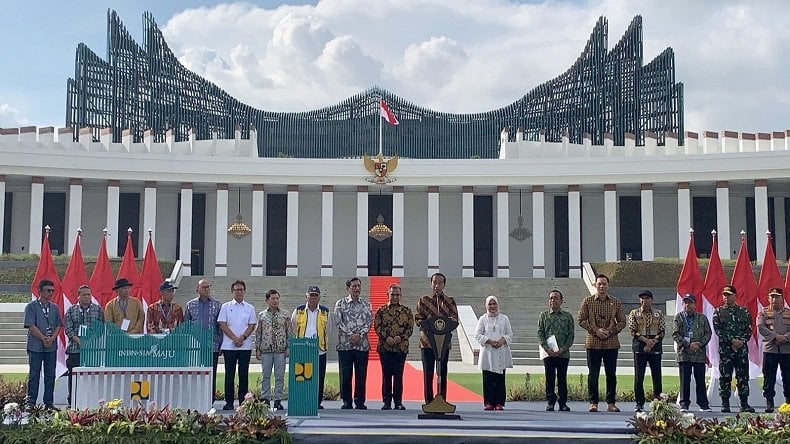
<point>380,231</point>
<point>520,233</point>
<point>239,229</point>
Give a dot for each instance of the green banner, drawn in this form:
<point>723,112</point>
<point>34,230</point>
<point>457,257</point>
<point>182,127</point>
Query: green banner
<point>106,345</point>
<point>303,377</point>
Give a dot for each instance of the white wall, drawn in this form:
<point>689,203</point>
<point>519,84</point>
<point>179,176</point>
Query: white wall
<point>309,256</point>
<point>20,221</point>
<point>344,239</point>
<point>167,224</point>
<point>548,202</point>
<point>239,250</point>
<point>592,227</point>
<point>94,217</point>
<point>415,242</point>
<point>520,252</point>
<point>450,233</point>
<point>665,225</point>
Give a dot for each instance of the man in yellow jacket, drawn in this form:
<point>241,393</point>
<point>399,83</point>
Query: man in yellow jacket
<point>124,311</point>
<point>312,320</point>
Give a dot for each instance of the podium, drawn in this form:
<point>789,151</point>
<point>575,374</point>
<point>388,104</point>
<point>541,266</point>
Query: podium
<point>439,330</point>
<point>173,370</point>
<point>303,377</point>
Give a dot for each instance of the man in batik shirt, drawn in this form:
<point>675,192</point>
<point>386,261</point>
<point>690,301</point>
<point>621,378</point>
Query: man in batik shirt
<point>271,347</point>
<point>353,317</point>
<point>165,314</point>
<point>394,325</point>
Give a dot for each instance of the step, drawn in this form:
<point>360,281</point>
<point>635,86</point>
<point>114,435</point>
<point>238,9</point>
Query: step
<point>13,345</point>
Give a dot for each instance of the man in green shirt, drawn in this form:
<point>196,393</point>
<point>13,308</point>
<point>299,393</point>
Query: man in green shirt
<point>558,324</point>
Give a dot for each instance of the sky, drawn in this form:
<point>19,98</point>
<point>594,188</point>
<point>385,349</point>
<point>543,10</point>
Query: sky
<point>733,57</point>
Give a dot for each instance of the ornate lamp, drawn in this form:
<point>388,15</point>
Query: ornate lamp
<point>380,231</point>
<point>520,233</point>
<point>239,229</point>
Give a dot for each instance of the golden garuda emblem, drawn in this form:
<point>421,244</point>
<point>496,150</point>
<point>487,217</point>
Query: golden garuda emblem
<point>380,168</point>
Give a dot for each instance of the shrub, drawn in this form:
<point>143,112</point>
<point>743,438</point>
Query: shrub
<point>534,389</point>
<point>12,392</point>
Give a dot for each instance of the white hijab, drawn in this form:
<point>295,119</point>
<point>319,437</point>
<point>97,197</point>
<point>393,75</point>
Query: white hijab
<point>489,299</point>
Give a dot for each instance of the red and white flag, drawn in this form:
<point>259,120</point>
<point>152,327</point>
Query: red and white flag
<point>770,277</point>
<point>75,276</point>
<point>387,113</point>
<point>101,279</point>
<point>715,280</point>
<point>743,280</point>
<point>46,270</point>
<point>690,280</point>
<point>128,268</point>
<point>150,278</point>
<point>787,285</point>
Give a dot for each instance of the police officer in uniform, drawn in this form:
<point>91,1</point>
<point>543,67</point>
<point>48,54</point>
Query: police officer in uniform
<point>733,325</point>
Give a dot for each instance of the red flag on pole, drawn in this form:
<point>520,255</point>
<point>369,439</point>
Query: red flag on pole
<point>101,280</point>
<point>387,113</point>
<point>46,270</point>
<point>75,276</point>
<point>150,275</point>
<point>715,280</point>
<point>128,268</point>
<point>743,280</point>
<point>770,277</point>
<point>690,280</point>
<point>787,284</point>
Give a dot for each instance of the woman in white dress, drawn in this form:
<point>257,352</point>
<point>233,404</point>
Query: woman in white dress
<point>494,334</point>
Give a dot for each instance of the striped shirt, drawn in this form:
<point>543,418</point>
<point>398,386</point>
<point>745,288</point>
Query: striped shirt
<point>433,305</point>
<point>601,312</point>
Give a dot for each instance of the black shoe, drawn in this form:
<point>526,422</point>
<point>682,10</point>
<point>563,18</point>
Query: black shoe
<point>769,405</point>
<point>386,407</point>
<point>266,401</point>
<point>639,408</point>
<point>361,407</point>
<point>227,407</point>
<point>565,408</point>
<point>399,407</point>
<point>725,409</point>
<point>320,407</point>
<point>550,407</point>
<point>278,405</point>
<point>52,408</point>
<point>346,406</point>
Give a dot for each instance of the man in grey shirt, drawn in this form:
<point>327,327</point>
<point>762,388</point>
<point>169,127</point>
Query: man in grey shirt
<point>43,324</point>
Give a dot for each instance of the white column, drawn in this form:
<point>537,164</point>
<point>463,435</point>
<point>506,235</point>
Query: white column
<point>723,218</point>
<point>538,233</point>
<point>327,230</point>
<point>149,213</point>
<point>75,213</point>
<point>221,255</point>
<point>2,212</point>
<point>760,216</point>
<point>292,236</point>
<point>36,215</point>
<point>433,230</point>
<point>610,222</point>
<point>779,223</point>
<point>502,232</point>
<point>362,231</point>
<point>185,230</point>
<point>574,232</point>
<point>467,232</point>
<point>258,230</point>
<point>648,236</point>
<point>398,224</point>
<point>684,218</point>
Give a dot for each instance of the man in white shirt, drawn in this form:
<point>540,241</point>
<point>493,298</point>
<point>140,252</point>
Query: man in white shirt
<point>312,320</point>
<point>237,319</point>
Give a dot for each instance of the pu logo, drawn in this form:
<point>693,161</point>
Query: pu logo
<point>304,371</point>
<point>140,390</point>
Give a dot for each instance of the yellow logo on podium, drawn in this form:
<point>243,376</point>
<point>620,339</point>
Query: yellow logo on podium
<point>304,371</point>
<point>140,390</point>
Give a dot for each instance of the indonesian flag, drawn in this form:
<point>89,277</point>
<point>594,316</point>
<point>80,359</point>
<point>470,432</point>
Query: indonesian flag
<point>74,278</point>
<point>46,270</point>
<point>150,278</point>
<point>770,277</point>
<point>128,268</point>
<point>101,279</point>
<point>387,113</point>
<point>743,280</point>
<point>715,280</point>
<point>690,280</point>
<point>787,285</point>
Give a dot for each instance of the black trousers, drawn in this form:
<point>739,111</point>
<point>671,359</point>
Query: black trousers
<point>73,360</point>
<point>641,360</point>
<point>214,377</point>
<point>556,367</point>
<point>353,363</point>
<point>392,364</point>
<point>698,370</point>
<point>772,361</point>
<point>232,359</point>
<point>321,376</point>
<point>428,366</point>
<point>609,357</point>
<point>493,388</point>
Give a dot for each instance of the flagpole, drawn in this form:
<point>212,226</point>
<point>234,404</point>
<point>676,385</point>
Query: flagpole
<point>381,131</point>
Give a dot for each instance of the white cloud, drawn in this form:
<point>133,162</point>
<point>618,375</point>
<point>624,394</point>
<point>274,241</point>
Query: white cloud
<point>10,117</point>
<point>474,56</point>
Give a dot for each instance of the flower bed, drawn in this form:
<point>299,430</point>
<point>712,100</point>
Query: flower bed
<point>114,423</point>
<point>666,424</point>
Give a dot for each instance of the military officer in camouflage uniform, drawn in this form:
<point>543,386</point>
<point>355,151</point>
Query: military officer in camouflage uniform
<point>733,325</point>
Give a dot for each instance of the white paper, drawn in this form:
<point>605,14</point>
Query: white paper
<point>83,330</point>
<point>125,325</point>
<point>551,341</point>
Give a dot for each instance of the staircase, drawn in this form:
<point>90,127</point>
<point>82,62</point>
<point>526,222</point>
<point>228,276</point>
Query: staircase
<point>13,338</point>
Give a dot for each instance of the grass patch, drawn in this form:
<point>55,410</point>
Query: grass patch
<point>20,269</point>
<point>663,272</point>
<point>15,297</point>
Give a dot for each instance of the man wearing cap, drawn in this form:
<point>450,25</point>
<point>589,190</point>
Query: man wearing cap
<point>124,311</point>
<point>602,316</point>
<point>84,313</point>
<point>353,318</point>
<point>691,332</point>
<point>773,323</point>
<point>204,311</point>
<point>165,315</point>
<point>312,320</point>
<point>237,319</point>
<point>733,324</point>
<point>647,328</point>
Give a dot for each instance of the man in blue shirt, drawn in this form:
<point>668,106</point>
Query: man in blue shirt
<point>43,324</point>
